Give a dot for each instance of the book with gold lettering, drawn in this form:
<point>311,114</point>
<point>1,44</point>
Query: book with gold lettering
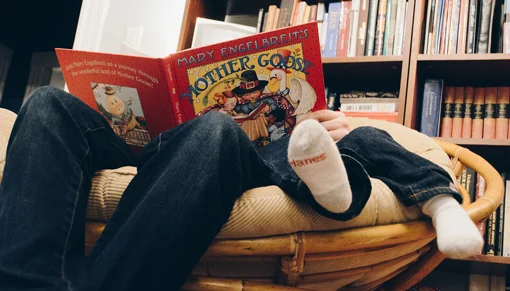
<point>266,82</point>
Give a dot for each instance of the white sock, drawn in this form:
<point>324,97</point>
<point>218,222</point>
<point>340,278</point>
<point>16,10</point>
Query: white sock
<point>315,158</point>
<point>457,235</point>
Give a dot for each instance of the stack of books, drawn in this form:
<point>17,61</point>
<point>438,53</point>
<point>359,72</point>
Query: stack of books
<point>465,112</point>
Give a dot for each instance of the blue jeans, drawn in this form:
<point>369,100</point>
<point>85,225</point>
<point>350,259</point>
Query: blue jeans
<point>188,180</point>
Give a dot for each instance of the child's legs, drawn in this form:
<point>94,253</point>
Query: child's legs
<point>412,178</point>
<point>282,175</point>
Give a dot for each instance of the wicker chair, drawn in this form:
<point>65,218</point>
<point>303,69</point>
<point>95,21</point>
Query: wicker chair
<point>388,257</point>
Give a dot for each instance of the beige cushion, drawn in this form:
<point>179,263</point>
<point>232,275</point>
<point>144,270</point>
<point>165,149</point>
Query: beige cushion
<point>268,211</point>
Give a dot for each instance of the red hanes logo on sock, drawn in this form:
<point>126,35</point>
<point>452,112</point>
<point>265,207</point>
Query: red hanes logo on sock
<point>308,161</point>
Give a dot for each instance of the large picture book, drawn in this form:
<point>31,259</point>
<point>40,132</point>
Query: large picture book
<point>266,82</point>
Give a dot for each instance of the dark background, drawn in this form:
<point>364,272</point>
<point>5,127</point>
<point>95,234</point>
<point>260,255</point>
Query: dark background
<point>33,26</point>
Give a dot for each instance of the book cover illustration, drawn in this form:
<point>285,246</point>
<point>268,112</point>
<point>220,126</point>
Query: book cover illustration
<point>265,98</point>
<point>266,82</point>
<point>121,107</point>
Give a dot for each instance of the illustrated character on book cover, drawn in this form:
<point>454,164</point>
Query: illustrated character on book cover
<point>270,96</point>
<point>121,107</point>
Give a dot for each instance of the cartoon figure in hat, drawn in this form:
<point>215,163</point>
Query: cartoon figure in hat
<point>121,112</point>
<point>253,105</point>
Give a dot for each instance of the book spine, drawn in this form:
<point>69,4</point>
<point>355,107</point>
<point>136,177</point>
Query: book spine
<point>381,24</point>
<point>372,27</point>
<point>362,30</point>
<point>506,219</point>
<point>353,31</point>
<point>431,107</point>
<point>436,27</point>
<point>285,13</point>
<point>173,91</point>
<point>343,39</point>
<point>387,27</point>
<point>489,116</point>
<point>502,113</point>
<point>480,192</point>
<point>260,19</point>
<point>324,33</point>
<point>490,245</point>
<point>483,34</point>
<point>445,27</point>
<point>332,102</point>
<point>275,20</point>
<point>458,112</point>
<point>440,20</point>
<point>471,183</point>
<point>399,27</point>
<point>464,15</point>
<point>478,111</point>
<point>500,224</point>
<point>332,30</point>
<point>471,29</point>
<point>313,13</point>
<point>271,13</point>
<point>428,25</point>
<point>467,119</point>
<point>447,112</point>
<point>452,44</point>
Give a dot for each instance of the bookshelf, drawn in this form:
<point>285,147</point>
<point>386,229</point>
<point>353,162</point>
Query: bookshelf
<point>387,73</point>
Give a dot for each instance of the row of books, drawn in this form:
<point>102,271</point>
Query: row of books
<point>465,112</point>
<point>374,105</point>
<point>364,28</point>
<point>497,242</point>
<point>346,28</point>
<point>464,26</point>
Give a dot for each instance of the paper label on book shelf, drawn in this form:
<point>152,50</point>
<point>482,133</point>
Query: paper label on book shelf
<point>502,111</point>
<point>378,107</point>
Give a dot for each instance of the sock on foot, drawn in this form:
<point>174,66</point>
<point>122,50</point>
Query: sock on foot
<point>457,235</point>
<point>315,158</point>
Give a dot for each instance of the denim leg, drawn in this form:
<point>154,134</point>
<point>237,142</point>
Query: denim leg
<point>188,180</point>
<point>282,175</point>
<point>412,178</point>
<point>56,145</point>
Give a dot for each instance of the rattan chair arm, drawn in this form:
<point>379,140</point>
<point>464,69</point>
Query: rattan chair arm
<point>484,206</point>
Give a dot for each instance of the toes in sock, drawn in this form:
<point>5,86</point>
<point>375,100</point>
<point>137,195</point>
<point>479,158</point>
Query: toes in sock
<point>457,235</point>
<point>315,158</point>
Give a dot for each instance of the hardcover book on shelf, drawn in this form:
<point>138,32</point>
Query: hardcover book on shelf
<point>141,96</point>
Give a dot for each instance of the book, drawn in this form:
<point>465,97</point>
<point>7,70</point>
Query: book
<point>467,118</point>
<point>489,115</point>
<point>354,26</point>
<point>371,27</point>
<point>208,31</point>
<point>471,27</point>
<point>447,112</point>
<point>333,28</point>
<point>431,107</point>
<point>345,24</point>
<point>142,96</point>
<point>458,112</point>
<point>478,111</point>
<point>502,113</point>
<point>387,116</point>
<point>362,29</point>
<point>381,24</point>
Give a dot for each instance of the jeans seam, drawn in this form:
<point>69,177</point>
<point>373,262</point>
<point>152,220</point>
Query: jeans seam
<point>71,226</point>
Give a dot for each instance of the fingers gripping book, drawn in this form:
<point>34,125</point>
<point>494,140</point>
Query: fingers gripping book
<point>266,82</point>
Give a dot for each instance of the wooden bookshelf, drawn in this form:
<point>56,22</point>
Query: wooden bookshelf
<point>490,259</point>
<point>464,57</point>
<point>362,60</point>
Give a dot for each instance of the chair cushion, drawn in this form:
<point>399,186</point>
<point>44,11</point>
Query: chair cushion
<point>268,211</point>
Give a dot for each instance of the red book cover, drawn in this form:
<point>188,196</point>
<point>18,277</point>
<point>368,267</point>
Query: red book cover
<point>278,74</point>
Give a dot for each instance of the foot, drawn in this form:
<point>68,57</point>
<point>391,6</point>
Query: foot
<point>316,160</point>
<point>457,235</point>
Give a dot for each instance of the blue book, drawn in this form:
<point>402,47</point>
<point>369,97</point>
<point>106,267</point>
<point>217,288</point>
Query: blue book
<point>334,12</point>
<point>431,107</point>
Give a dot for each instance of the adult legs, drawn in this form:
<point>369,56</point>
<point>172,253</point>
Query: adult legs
<point>56,145</point>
